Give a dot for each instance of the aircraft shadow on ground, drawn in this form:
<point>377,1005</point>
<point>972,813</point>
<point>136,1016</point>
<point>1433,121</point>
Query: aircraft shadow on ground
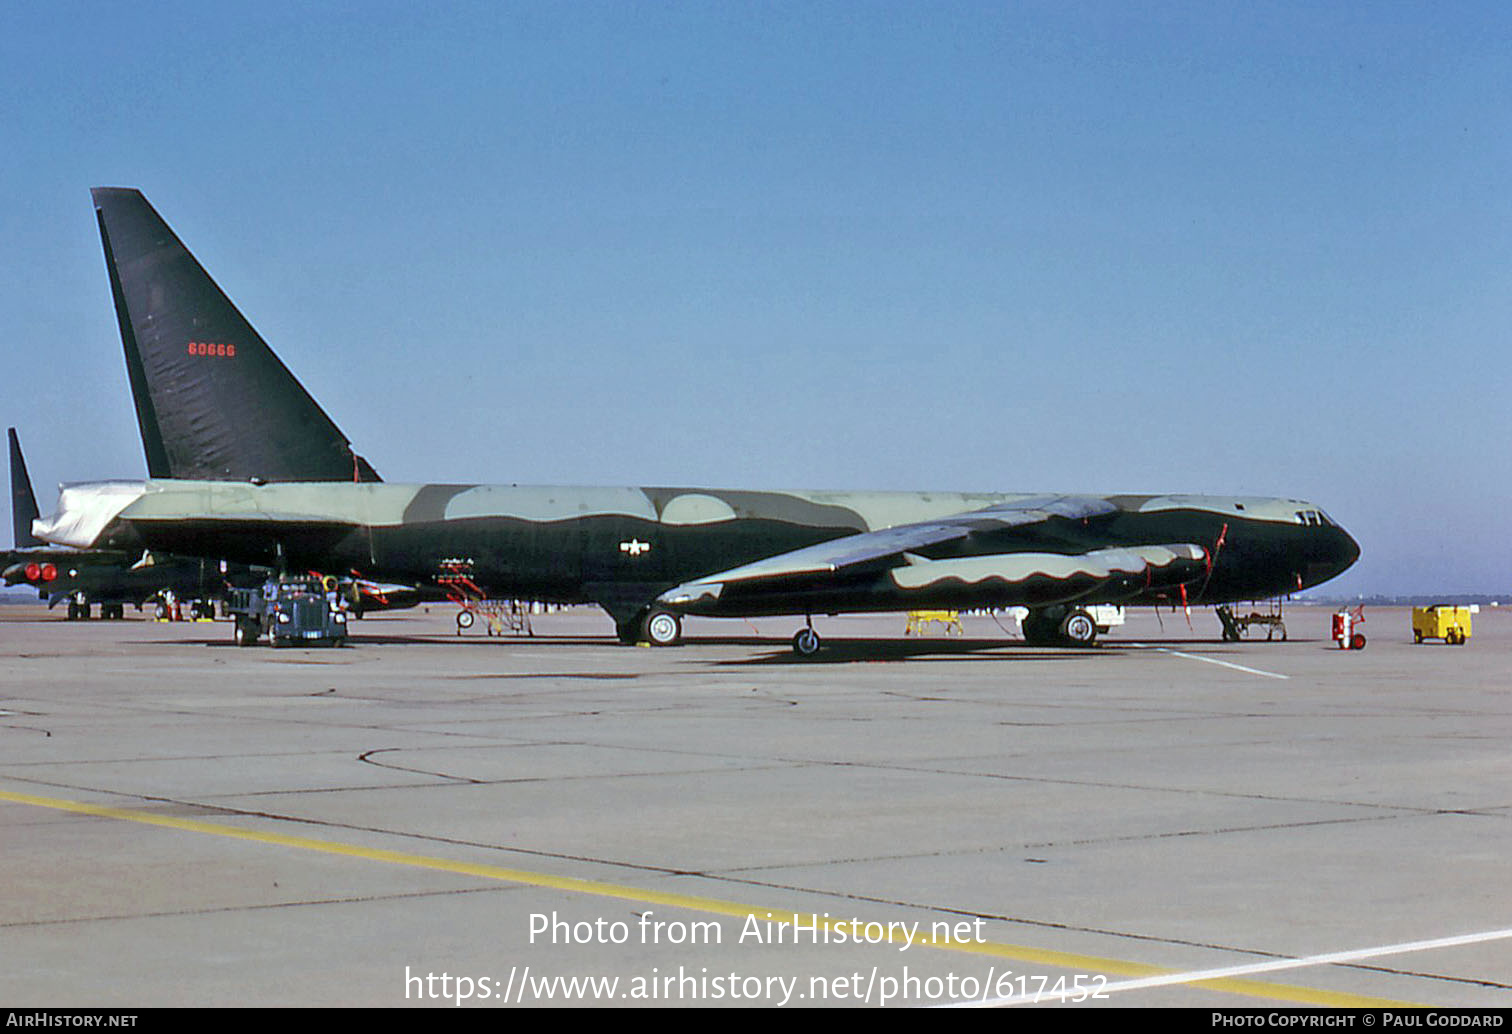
<point>778,651</point>
<point>850,651</point>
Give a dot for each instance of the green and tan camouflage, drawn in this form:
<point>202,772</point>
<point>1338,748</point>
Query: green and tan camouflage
<point>212,398</point>
<point>729,553</point>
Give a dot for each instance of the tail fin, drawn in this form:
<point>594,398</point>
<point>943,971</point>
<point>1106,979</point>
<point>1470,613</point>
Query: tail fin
<point>213,402</point>
<point>23,500</point>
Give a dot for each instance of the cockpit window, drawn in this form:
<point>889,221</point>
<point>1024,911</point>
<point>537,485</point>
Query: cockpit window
<point>1314,518</point>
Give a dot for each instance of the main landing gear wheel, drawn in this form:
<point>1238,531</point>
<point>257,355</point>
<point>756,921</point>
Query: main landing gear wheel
<point>806,642</point>
<point>1038,629</point>
<point>1078,628</point>
<point>662,628</point>
<point>1057,626</point>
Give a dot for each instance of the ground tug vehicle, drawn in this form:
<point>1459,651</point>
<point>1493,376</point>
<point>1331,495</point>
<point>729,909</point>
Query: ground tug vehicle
<point>290,611</point>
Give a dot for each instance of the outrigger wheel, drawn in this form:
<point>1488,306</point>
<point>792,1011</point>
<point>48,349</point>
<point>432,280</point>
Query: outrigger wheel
<point>806,642</point>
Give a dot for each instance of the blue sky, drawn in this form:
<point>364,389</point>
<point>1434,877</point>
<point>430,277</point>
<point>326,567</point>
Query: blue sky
<point>1099,247</point>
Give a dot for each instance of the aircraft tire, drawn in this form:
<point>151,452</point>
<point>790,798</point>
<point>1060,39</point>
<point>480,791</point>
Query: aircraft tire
<point>1078,629</point>
<point>1038,628</point>
<point>662,628</point>
<point>806,642</point>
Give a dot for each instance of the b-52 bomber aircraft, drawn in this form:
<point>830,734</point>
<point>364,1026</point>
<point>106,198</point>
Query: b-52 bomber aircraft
<point>85,577</point>
<point>649,556</point>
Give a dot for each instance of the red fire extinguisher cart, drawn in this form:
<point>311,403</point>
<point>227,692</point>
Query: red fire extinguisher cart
<point>1344,631</point>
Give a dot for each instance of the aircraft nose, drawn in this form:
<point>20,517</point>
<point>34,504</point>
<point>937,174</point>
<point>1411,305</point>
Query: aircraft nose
<point>1334,553</point>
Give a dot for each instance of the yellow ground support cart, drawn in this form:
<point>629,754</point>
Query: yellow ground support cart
<point>919,620</point>
<point>1451,624</point>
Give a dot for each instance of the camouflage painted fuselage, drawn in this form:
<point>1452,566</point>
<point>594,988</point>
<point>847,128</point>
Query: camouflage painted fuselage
<point>622,547</point>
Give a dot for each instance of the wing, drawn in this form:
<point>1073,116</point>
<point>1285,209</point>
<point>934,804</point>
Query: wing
<point>881,569</point>
<point>852,550</point>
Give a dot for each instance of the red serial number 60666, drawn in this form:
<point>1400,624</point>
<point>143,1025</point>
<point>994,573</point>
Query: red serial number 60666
<point>219,350</point>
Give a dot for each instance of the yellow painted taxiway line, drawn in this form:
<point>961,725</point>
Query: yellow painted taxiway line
<point>1088,964</point>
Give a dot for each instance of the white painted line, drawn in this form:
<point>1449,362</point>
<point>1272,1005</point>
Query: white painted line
<point>1249,969</point>
<point>1211,660</point>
